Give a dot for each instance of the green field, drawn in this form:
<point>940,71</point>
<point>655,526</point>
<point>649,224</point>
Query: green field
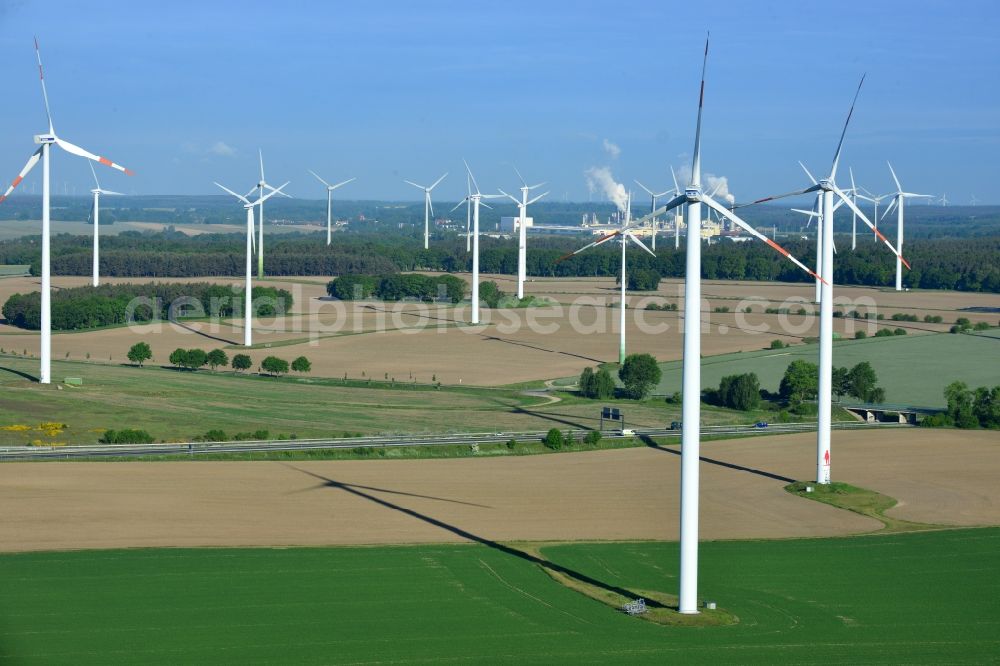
<point>178,405</point>
<point>913,369</point>
<point>926,597</point>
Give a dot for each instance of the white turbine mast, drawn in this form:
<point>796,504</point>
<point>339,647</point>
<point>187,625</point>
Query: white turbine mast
<point>248,286</point>
<point>692,198</point>
<point>828,189</point>
<point>329,202</point>
<point>428,206</point>
<point>97,192</point>
<point>522,231</point>
<point>625,234</point>
<point>262,187</point>
<point>898,199</point>
<point>46,141</point>
<point>475,199</point>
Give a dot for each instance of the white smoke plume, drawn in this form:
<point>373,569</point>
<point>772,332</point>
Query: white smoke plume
<point>612,149</point>
<point>710,183</point>
<point>600,178</point>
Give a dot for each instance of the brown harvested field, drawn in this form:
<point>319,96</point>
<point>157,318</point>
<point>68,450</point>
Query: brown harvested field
<point>513,345</point>
<point>624,494</point>
<point>944,477</point>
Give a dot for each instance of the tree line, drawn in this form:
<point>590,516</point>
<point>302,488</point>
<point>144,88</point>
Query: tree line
<point>949,263</point>
<point>80,308</point>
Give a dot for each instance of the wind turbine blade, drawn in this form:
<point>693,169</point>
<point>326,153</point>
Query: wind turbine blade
<point>436,182</point>
<point>260,154</point>
<point>722,210</point>
<point>252,190</point>
<point>318,178</point>
<point>96,182</point>
<point>276,190</point>
<point>341,183</point>
<point>888,209</point>
<point>854,189</point>
<point>673,175</point>
<point>899,188</point>
<point>602,239</point>
<point>32,161</point>
<point>864,218</point>
<point>45,93</point>
<point>779,196</point>
<point>238,196</point>
<point>410,182</point>
<point>458,205</point>
<point>430,204</point>
<point>696,159</point>
<point>807,172</point>
<point>519,176</point>
<point>511,197</point>
<point>117,194</point>
<point>632,237</point>
<point>810,213</point>
<point>253,239</point>
<point>485,205</point>
<point>535,187</point>
<point>536,198</point>
<point>917,196</point>
<point>473,178</point>
<point>77,150</point>
<point>840,145</point>
<point>715,189</point>
<point>648,191</point>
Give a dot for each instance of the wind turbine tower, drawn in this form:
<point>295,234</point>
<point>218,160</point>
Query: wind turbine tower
<point>45,142</point>
<point>97,192</point>
<point>329,202</point>
<point>428,206</point>
<point>522,229</point>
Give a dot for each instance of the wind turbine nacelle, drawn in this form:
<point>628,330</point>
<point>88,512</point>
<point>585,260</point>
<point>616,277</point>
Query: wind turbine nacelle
<point>45,138</point>
<point>693,194</point>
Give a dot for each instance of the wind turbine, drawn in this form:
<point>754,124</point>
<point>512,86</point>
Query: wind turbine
<point>817,212</point>
<point>973,201</point>
<point>875,201</point>
<point>677,215</point>
<point>248,300</point>
<point>428,206</point>
<point>692,199</point>
<point>262,186</point>
<point>97,192</point>
<point>625,235</point>
<point>828,189</point>
<point>329,201</point>
<point>522,236</point>
<point>944,200</point>
<point>46,140</point>
<point>476,200</point>
<point>652,206</point>
<point>898,199</point>
<point>468,212</point>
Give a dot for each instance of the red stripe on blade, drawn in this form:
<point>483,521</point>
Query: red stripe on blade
<point>104,160</point>
<point>776,246</point>
<point>16,181</point>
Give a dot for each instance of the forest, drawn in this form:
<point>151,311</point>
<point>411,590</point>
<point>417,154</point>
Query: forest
<point>113,304</point>
<point>953,263</point>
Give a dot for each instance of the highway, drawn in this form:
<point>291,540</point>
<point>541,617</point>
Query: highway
<point>23,453</point>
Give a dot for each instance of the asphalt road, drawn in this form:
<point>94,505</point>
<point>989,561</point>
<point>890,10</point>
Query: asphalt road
<point>16,453</point>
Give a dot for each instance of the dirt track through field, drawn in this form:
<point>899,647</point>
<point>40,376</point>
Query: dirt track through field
<point>625,494</point>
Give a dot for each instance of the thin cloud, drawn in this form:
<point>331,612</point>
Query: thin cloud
<point>222,149</point>
<point>612,149</point>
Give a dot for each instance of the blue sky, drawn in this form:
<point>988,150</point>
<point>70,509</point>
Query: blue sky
<point>185,92</point>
